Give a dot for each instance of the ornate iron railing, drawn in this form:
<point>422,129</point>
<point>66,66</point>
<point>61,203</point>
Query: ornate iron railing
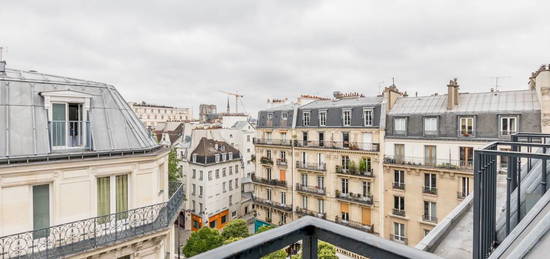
<point>83,235</point>
<point>369,228</point>
<point>311,166</point>
<point>429,162</point>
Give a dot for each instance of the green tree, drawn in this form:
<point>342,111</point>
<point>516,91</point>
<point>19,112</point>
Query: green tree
<point>324,251</point>
<point>264,228</point>
<point>363,165</point>
<point>173,167</point>
<point>235,228</point>
<point>202,241</point>
<point>231,240</point>
<point>279,254</point>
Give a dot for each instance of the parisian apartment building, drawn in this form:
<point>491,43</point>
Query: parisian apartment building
<point>80,175</point>
<point>152,114</point>
<point>389,164</point>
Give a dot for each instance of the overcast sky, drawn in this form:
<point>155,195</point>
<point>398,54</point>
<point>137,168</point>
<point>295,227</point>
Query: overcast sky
<point>183,52</point>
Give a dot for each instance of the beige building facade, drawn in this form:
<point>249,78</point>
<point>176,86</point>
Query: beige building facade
<point>153,115</point>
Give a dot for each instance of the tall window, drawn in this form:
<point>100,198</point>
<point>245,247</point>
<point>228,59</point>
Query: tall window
<point>347,117</point>
<point>304,202</point>
<point>345,183</point>
<point>430,211</point>
<point>284,115</point>
<point>367,117</point>
<point>268,173</point>
<point>400,126</point>
<point>41,209</point>
<point>399,231</point>
<point>399,179</point>
<point>366,188</point>
<point>305,118</point>
<point>430,155</point>
<point>194,174</point>
<point>508,125</point>
<point>322,118</point>
<point>466,156</point>
<point>268,154</point>
<point>223,185</point>
<point>194,189</point>
<point>304,179</point>
<point>430,182</point>
<point>321,139</point>
<point>430,126</point>
<point>200,190</point>
<point>283,197</point>
<point>321,205</point>
<point>464,186</point>
<point>304,137</point>
<point>283,156</point>
<point>268,192</point>
<point>320,182</point>
<point>399,203</point>
<point>345,162</point>
<point>399,153</point>
<point>67,125</point>
<point>270,116</point>
<point>466,126</point>
<point>345,139</point>
<point>104,199</point>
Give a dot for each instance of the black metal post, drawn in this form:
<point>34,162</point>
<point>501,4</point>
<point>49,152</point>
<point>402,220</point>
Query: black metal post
<point>309,250</point>
<point>477,205</point>
<point>519,193</point>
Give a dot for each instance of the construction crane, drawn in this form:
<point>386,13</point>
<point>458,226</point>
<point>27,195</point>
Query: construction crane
<point>237,96</point>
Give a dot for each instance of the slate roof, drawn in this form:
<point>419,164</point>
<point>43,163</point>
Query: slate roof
<point>347,102</point>
<point>488,102</point>
<point>207,147</point>
<point>24,119</point>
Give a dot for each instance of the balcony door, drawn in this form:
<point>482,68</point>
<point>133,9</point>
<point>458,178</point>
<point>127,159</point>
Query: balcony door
<point>366,216</point>
<point>367,141</point>
<point>112,190</point>
<point>66,125</point>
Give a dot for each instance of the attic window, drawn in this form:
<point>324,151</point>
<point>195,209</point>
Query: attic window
<point>217,158</point>
<point>194,158</point>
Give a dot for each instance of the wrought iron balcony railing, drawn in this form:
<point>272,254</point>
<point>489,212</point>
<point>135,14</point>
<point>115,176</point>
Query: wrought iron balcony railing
<point>282,163</point>
<point>278,142</point>
<point>399,239</point>
<point>399,186</point>
<point>429,189</point>
<point>266,161</point>
<point>70,134</point>
<point>398,212</point>
<point>369,228</point>
<point>92,233</point>
<point>350,145</point>
<point>429,218</point>
<point>274,182</point>
<point>429,162</point>
<point>321,167</point>
<point>308,212</point>
<point>271,203</point>
<point>354,171</point>
<point>309,230</point>
<point>311,189</point>
<point>355,197</point>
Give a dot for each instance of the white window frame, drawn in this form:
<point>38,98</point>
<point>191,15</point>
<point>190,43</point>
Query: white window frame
<point>508,132</point>
<point>462,119</point>
<point>321,205</point>
<point>368,117</point>
<point>400,234</point>
<point>346,117</point>
<point>284,116</point>
<point>397,123</point>
<point>306,118</point>
<point>322,118</point>
<point>270,116</point>
<point>430,131</point>
<point>305,201</point>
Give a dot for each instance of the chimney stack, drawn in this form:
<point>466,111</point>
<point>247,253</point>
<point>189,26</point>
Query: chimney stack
<point>452,94</point>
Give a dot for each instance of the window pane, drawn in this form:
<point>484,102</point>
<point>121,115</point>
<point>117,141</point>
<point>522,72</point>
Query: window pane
<point>41,209</point>
<point>103,196</point>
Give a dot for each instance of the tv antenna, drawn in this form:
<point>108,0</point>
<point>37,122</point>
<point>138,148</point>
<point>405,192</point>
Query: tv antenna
<point>497,79</point>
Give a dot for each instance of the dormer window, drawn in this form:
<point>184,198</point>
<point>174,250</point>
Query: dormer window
<point>270,116</point>
<point>68,122</point>
<point>194,158</point>
<point>284,115</point>
<point>217,157</point>
<point>305,118</point>
<point>346,117</point>
<point>230,155</point>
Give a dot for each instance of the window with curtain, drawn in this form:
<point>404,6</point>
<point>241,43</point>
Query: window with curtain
<point>400,125</point>
<point>122,196</point>
<point>430,126</point>
<point>103,197</point>
<point>41,210</point>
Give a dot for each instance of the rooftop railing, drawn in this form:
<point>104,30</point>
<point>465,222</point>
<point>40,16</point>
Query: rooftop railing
<point>429,162</point>
<point>349,145</point>
<point>309,230</point>
<point>278,142</point>
<point>527,167</point>
<point>92,233</point>
<point>321,167</point>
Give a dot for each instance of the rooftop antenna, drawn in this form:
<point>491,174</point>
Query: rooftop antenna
<point>392,81</point>
<point>497,78</point>
<point>1,48</point>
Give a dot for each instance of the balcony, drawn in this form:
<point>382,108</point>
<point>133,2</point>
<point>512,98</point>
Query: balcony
<point>272,204</point>
<point>93,233</point>
<point>310,189</point>
<point>357,198</point>
<point>273,182</point>
<point>430,163</point>
<point>354,171</point>
<point>319,167</point>
<point>399,239</point>
<point>429,218</point>
<point>360,146</point>
<point>429,190</point>
<point>354,224</point>
<point>70,135</point>
<point>275,142</point>
<point>308,231</point>
<point>282,163</point>
<point>398,186</point>
<point>398,212</point>
<point>306,212</point>
<point>266,161</point>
